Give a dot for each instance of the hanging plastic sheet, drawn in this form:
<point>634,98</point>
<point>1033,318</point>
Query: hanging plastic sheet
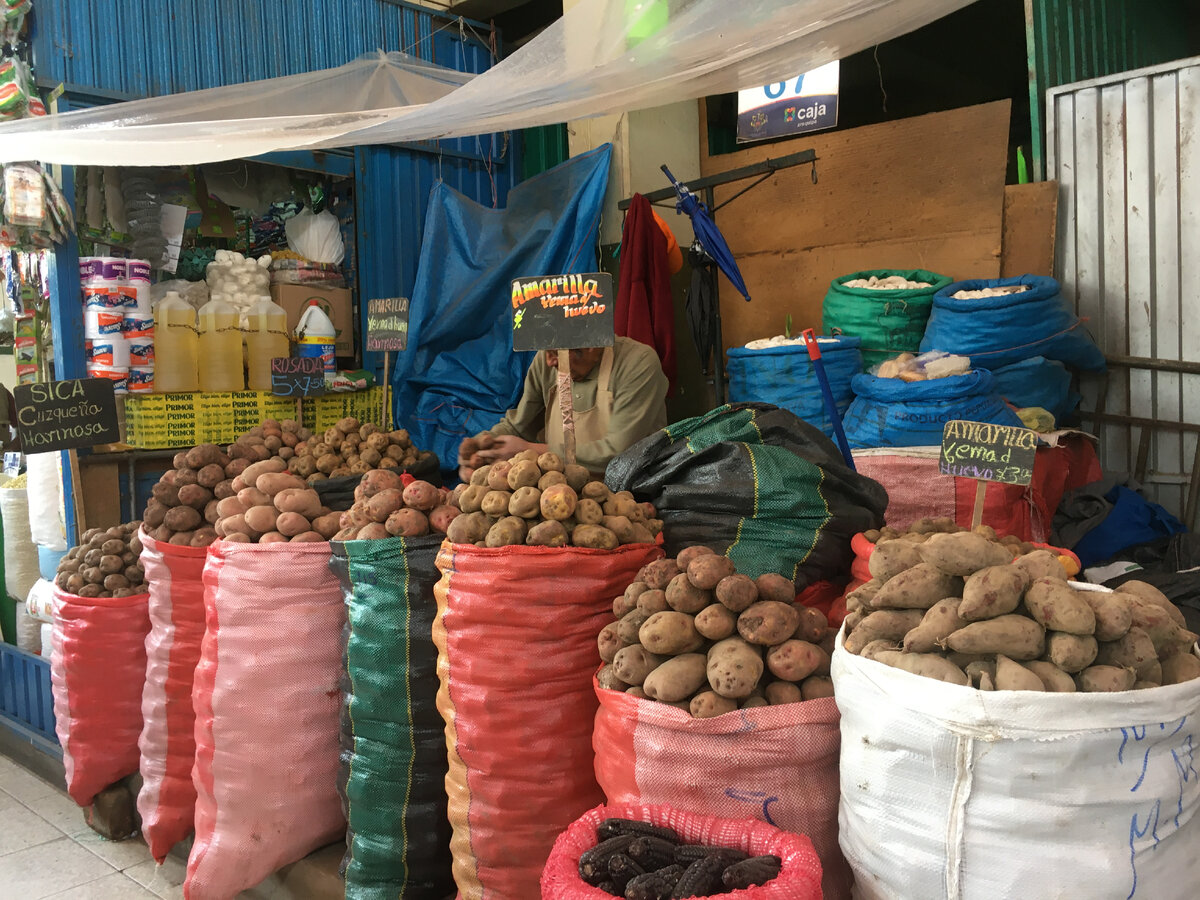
<point>459,374</point>
<point>602,56</point>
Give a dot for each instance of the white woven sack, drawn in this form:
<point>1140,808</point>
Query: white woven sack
<point>46,501</point>
<point>21,569</point>
<point>951,792</point>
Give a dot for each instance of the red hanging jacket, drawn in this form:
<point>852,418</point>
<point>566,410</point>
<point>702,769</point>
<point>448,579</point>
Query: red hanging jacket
<point>645,309</point>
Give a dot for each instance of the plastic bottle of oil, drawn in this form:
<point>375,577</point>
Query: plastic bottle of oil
<point>266,339</point>
<point>176,345</point>
<point>221,347</point>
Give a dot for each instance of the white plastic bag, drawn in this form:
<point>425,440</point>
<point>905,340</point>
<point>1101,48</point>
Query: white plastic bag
<point>46,501</point>
<point>956,793</point>
<point>316,237</point>
<point>40,602</point>
<point>21,569</point>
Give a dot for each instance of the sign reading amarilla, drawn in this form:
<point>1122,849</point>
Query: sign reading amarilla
<point>563,312</point>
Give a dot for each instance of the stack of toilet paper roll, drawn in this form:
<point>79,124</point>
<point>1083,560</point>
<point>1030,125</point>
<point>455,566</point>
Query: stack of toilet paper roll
<point>118,321</point>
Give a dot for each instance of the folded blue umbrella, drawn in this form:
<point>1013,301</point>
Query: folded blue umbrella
<point>707,234</point>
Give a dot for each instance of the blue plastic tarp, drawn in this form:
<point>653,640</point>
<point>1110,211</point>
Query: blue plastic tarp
<point>460,374</point>
<point>1037,382</point>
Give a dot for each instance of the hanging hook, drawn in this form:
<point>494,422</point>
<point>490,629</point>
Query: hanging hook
<point>814,171</point>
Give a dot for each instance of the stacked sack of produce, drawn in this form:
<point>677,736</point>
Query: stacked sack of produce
<point>558,546</point>
<point>779,371</point>
<point>21,567</point>
<point>715,696</point>
<point>909,399</point>
<point>962,674</point>
<point>98,666</point>
<point>1023,331</point>
<point>888,309</point>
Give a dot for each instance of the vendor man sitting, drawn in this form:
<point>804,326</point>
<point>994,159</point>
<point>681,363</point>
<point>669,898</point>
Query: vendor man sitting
<point>619,393</point>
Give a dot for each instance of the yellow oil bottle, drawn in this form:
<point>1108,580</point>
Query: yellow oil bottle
<point>176,345</point>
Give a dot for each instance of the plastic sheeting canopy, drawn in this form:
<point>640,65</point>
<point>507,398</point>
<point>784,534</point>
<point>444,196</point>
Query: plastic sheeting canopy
<point>600,57</point>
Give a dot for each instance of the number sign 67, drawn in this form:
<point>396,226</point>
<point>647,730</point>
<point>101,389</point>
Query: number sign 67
<point>779,88</point>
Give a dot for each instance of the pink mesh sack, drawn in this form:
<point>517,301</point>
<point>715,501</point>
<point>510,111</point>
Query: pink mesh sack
<point>96,673</point>
<point>267,703</point>
<point>799,877</point>
<point>777,764</point>
<point>167,800</point>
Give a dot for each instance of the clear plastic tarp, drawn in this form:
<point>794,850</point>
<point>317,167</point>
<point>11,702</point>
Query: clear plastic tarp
<point>602,56</point>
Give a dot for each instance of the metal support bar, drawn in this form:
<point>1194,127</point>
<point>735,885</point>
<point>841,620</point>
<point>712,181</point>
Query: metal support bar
<point>1182,367</point>
<point>766,167</point>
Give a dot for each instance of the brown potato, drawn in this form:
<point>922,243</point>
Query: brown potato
<point>618,525</point>
<point>813,625</point>
<point>816,687</point>
<point>249,497</point>
<point>667,633</point>
<point>550,462</point>
<point>634,662</point>
<point>715,622</point>
<point>547,534</point>
<point>780,693</point>
<point>608,680</point>
<point>523,474</point>
<point>471,499</point>
<point>994,591</point>
<point>550,479</point>
<point>407,523</point>
<point>497,478</point>
<point>210,476</point>
<point>737,592</point>
<point>676,679</point>
<point>291,524</point>
<point>588,512</point>
<point>609,642</point>
<point>706,571</point>
<point>650,602</point>
<point>195,496</point>
<point>734,668</point>
<point>183,518</point>
<point>686,555</point>
<point>768,622</point>
<point>469,528</point>
<point>594,537</point>
<point>328,525</point>
<point>710,704</point>
<point>496,503</point>
<point>558,502</point>
<point>508,531</point>
<point>262,518</point>
<point>629,627</point>
<point>658,574</point>
<point>577,476</point>
<point>304,501</point>
<point>683,596</point>
<point>1016,636</point>
<point>526,503</point>
<point>795,660</point>
<point>1058,607</point>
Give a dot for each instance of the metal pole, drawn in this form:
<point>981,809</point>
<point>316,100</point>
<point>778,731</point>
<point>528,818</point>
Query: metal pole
<point>719,344</point>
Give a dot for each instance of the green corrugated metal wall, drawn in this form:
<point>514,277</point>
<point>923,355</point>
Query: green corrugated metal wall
<point>543,148</point>
<point>1076,40</point>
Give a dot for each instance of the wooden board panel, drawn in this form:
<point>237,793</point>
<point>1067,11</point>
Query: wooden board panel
<point>101,496</point>
<point>1030,226</point>
<point>926,192</point>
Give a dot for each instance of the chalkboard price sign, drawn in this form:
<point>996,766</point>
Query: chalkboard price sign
<point>298,376</point>
<point>1001,453</point>
<point>66,415</point>
<point>387,325</point>
<point>563,312</point>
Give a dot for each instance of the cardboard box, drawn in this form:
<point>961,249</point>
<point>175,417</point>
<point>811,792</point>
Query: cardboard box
<point>336,302</point>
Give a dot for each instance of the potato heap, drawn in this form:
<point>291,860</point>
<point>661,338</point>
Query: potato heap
<point>384,507</point>
<point>640,861</point>
<point>958,608</point>
<point>694,634</point>
<point>945,526</point>
<point>183,506</point>
<point>272,506</point>
<point>539,501</point>
<point>106,564</point>
<point>351,448</point>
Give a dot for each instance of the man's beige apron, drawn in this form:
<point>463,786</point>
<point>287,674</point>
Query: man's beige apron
<point>590,424</point>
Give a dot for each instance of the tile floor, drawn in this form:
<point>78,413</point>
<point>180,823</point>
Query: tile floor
<point>48,853</point>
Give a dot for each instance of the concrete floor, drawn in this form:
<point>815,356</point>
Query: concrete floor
<point>47,851</point>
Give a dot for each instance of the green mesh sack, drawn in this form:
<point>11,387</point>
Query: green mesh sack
<point>890,322</point>
<point>756,483</point>
<point>393,745</point>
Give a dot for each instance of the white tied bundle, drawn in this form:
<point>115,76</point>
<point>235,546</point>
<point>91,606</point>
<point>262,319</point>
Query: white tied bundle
<point>890,283</point>
<point>238,280</point>
<point>991,292</point>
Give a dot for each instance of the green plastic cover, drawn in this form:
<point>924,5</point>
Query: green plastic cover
<point>890,322</point>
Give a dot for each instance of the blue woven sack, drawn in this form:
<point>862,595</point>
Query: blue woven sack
<point>1037,382</point>
<point>785,377</point>
<point>887,412</point>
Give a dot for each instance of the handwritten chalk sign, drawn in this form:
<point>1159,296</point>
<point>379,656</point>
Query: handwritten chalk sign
<point>66,415</point>
<point>984,452</point>
<point>563,312</point>
<point>387,325</point>
<point>299,376</point>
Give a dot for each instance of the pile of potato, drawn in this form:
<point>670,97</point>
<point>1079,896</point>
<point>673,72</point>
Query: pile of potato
<point>930,526</point>
<point>693,633</point>
<point>384,507</point>
<point>272,506</point>
<point>959,608</point>
<point>539,501</point>
<point>183,505</point>
<point>107,563</point>
<point>350,448</point>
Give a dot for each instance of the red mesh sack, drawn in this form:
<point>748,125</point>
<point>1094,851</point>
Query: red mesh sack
<point>167,800</point>
<point>799,877</point>
<point>777,764</point>
<point>96,673</point>
<point>516,635</point>
<point>267,704</point>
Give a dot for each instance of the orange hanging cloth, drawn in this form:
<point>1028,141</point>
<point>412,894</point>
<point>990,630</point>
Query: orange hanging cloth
<point>645,309</point>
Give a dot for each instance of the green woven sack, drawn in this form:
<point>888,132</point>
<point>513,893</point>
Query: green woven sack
<point>889,322</point>
<point>393,744</point>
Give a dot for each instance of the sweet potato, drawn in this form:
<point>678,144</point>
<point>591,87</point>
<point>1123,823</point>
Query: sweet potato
<point>1113,614</point>
<point>407,523</point>
<point>304,501</point>
<point>710,704</point>
<point>891,558</point>
<point>547,534</point>
<point>683,596</point>
<point>1058,607</point>
<point>795,660</point>
<point>928,665</point>
<point>669,633</point>
<point>779,693</point>
<point>1071,652</point>
<point>1156,621</point>
<point>595,537</point>
<point>634,662</point>
<point>1105,679</point>
<point>508,531</point>
<point>1012,676</point>
<point>1132,650</point>
<point>939,622</point>
<point>917,588</point>
<point>734,667</point>
<point>1052,677</point>
<point>715,622</point>
<point>558,502</point>
<point>676,679</point>
<point>882,625</point>
<point>650,602</point>
<point>962,554</point>
<point>1154,595</point>
<point>768,622</point>
<point>1180,668</point>
<point>1041,564</point>
<point>1016,636</point>
<point>994,591</point>
<point>707,570</point>
<point>609,642</point>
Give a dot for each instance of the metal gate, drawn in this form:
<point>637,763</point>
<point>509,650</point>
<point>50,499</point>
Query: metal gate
<point>1126,153</point>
